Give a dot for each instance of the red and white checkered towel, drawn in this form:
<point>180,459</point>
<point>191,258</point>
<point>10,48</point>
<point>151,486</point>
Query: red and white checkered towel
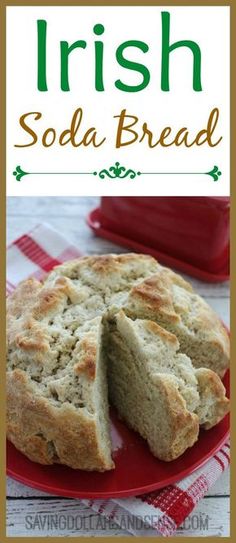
<point>163,511</point>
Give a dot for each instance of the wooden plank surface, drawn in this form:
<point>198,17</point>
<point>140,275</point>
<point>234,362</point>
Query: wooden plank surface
<point>25,506</point>
<point>28,510</point>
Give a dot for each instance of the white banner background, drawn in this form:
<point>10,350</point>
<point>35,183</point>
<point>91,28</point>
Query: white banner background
<point>208,26</point>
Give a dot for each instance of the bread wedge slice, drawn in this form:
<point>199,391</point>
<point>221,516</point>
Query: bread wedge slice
<point>171,302</point>
<point>157,391</point>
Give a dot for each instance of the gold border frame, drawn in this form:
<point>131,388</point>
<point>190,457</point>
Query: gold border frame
<point>3,5</point>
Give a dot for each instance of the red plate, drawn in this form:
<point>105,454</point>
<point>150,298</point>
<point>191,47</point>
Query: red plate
<point>136,472</point>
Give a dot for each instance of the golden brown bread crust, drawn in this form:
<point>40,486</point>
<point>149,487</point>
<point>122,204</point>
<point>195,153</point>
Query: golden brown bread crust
<point>41,421</point>
<point>87,360</point>
<point>43,328</point>
<point>161,332</point>
<point>169,300</point>
<point>184,426</point>
<point>210,386</point>
<point>48,434</point>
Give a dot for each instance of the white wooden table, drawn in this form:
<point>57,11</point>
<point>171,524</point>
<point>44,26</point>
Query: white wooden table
<point>25,504</point>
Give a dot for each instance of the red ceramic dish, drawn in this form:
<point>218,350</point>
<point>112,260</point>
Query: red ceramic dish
<point>193,231</point>
<point>94,221</point>
<point>137,470</point>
